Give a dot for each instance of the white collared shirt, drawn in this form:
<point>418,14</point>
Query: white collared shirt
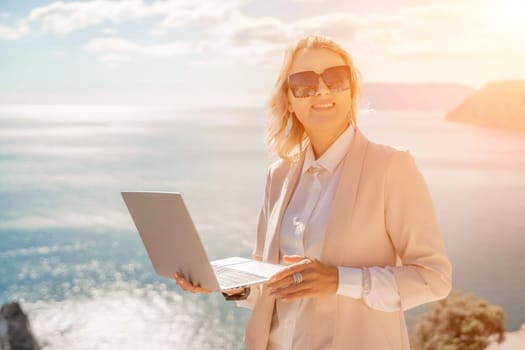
<point>303,233</point>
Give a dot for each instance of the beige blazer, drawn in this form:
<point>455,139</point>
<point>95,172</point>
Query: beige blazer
<point>382,215</point>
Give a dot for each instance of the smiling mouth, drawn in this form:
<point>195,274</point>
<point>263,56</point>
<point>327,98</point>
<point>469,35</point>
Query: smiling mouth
<point>324,106</point>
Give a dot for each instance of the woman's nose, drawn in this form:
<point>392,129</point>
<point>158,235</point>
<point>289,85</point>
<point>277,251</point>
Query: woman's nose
<point>322,89</point>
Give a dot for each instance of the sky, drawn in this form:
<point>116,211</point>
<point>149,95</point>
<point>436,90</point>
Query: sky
<point>206,53</point>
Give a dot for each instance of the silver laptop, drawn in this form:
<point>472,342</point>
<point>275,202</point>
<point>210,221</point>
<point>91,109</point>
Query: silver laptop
<point>173,245</point>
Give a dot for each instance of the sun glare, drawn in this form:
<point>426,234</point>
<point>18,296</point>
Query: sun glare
<point>508,16</point>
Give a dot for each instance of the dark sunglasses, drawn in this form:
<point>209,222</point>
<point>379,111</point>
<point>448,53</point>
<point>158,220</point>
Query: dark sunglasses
<point>305,84</point>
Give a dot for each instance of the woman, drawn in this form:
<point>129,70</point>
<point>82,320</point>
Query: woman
<point>354,219</point>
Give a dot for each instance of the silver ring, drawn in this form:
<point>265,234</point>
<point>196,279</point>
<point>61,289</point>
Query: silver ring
<point>297,277</point>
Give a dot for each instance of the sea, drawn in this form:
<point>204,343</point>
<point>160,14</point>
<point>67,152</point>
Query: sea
<point>70,254</point>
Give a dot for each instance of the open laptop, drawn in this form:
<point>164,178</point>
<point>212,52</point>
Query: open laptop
<point>173,245</point>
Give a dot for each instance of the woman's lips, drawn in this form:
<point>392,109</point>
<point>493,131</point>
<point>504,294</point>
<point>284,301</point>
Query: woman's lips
<point>323,106</point>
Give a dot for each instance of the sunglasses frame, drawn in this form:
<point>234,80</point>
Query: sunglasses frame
<point>312,89</point>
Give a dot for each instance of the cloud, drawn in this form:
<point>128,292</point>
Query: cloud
<point>440,30</point>
<point>113,59</point>
<point>59,55</point>
<point>199,13</point>
<point>244,39</point>
<point>109,31</point>
<point>14,32</point>
<point>433,30</point>
<point>445,30</point>
<point>341,27</point>
<point>113,44</point>
<point>256,31</point>
<point>115,51</point>
<point>66,17</point>
<point>222,34</point>
<point>262,40</point>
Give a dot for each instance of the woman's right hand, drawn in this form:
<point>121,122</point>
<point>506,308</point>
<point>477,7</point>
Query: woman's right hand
<point>187,286</point>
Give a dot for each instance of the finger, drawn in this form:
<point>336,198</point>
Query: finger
<point>280,284</point>
<point>181,281</point>
<point>294,258</point>
<point>288,281</point>
<point>281,280</point>
<point>234,291</point>
<point>179,277</point>
<point>297,267</point>
<point>200,289</point>
<point>185,285</point>
<point>292,289</point>
<point>196,289</point>
<point>290,270</point>
<point>189,287</point>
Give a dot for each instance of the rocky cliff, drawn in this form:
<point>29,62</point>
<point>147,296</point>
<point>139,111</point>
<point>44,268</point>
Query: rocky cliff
<point>499,104</point>
<point>15,331</point>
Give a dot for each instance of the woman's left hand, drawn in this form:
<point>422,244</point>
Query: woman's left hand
<point>318,279</point>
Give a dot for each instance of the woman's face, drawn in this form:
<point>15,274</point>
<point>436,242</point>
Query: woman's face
<point>326,111</point>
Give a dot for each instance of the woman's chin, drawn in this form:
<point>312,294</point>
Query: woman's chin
<point>325,121</point>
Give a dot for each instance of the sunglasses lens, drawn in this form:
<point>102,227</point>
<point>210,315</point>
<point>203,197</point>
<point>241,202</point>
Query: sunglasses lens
<point>337,78</point>
<point>303,84</point>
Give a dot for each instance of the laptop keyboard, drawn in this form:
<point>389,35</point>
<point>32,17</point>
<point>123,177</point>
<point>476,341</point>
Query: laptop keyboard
<point>231,277</point>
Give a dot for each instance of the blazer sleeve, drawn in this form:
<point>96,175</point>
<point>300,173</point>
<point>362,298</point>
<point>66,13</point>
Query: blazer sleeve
<point>257,253</point>
<point>425,273</point>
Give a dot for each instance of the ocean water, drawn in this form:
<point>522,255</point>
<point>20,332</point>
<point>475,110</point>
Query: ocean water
<point>70,253</point>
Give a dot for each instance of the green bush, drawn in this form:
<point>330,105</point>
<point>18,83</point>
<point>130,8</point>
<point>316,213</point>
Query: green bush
<point>459,322</point>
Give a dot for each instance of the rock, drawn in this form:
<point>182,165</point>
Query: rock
<point>4,342</point>
<point>499,104</point>
<point>15,331</point>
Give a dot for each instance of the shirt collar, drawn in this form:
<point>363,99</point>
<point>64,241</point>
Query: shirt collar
<point>333,155</point>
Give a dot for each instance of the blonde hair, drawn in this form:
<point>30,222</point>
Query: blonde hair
<point>285,135</point>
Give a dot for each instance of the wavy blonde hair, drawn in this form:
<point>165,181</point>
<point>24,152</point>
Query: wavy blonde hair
<point>285,135</point>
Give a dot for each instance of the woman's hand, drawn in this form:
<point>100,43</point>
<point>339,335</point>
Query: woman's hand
<point>187,286</point>
<point>318,279</point>
<point>234,291</point>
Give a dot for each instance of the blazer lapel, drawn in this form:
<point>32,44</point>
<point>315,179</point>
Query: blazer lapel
<point>272,244</point>
<point>344,200</point>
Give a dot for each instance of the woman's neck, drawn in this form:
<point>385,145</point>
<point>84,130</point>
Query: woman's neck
<point>321,141</point>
